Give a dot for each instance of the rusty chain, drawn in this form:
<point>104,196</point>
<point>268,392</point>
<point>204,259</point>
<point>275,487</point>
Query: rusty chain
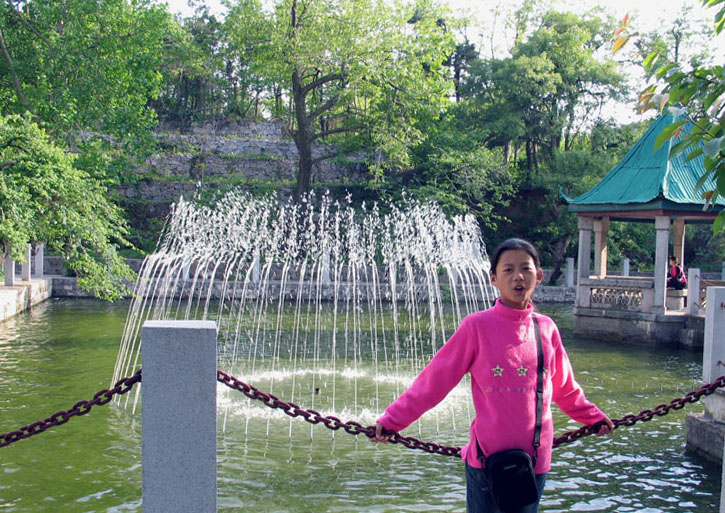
<point>645,415</point>
<point>125,385</point>
<point>330,421</point>
<point>105,396</point>
<point>354,428</point>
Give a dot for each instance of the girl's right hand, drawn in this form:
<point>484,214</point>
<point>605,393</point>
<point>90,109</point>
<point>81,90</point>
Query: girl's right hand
<point>379,436</point>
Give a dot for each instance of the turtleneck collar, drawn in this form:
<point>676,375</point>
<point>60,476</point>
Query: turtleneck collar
<point>513,314</point>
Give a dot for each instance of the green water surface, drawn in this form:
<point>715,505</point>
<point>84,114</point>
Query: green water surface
<point>64,351</point>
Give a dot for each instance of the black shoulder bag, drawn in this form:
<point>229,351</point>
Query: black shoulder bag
<point>510,474</point>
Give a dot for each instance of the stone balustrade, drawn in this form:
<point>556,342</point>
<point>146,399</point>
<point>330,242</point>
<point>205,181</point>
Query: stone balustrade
<point>616,293</point>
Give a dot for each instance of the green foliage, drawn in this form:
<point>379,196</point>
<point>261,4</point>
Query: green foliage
<point>84,68</point>
<point>542,95</point>
<point>45,198</point>
<point>695,92</point>
<point>704,249</point>
<point>357,73</point>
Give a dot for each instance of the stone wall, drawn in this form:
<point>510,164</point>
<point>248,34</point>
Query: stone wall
<point>55,265</point>
<point>231,151</point>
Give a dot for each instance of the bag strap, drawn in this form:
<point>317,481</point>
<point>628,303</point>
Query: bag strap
<point>539,387</point>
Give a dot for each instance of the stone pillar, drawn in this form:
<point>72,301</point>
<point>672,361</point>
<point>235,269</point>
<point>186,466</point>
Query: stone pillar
<point>722,485</point>
<point>584,257</point>
<point>625,267</point>
<point>713,353</point>
<point>256,269</point>
<point>678,240</point>
<point>9,270</point>
<point>601,227</point>
<point>713,357</point>
<point>693,291</point>
<point>662,225</point>
<point>569,272</point>
<point>325,268</point>
<point>39,262</point>
<point>178,416</point>
<point>25,269</point>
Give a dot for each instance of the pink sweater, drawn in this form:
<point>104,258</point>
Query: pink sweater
<point>498,347</point>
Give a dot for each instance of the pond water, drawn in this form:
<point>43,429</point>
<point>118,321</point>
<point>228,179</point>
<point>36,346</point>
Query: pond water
<point>64,351</point>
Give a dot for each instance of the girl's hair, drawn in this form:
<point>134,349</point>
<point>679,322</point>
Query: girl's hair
<point>514,244</point>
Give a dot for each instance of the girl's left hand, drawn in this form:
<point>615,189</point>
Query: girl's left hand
<point>607,426</point>
<point>380,434</point>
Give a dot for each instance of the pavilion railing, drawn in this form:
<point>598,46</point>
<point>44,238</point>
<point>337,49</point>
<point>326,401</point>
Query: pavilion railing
<point>617,293</point>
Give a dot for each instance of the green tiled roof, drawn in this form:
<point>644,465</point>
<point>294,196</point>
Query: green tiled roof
<point>647,179</point>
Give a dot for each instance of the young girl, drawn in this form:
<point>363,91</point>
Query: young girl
<point>676,277</point>
<point>498,348</point>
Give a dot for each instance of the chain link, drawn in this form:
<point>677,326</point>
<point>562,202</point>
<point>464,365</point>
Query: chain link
<point>354,428</point>
<point>80,408</point>
<point>645,415</point>
<point>334,423</point>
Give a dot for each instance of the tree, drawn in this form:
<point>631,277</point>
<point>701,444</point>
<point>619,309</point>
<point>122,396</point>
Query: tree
<point>44,198</point>
<point>84,69</point>
<point>357,73</point>
<point>696,95</point>
<point>550,88</point>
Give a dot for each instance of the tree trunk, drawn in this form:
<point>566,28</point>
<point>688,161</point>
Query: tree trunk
<point>558,255</point>
<point>302,138</point>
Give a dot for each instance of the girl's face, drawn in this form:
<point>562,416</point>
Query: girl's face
<point>516,277</point>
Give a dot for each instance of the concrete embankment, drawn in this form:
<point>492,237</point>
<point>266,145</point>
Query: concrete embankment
<point>23,296</point>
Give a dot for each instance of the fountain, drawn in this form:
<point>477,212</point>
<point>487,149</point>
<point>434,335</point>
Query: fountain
<point>334,307</point>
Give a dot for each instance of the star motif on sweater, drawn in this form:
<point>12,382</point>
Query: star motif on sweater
<point>522,371</point>
<point>497,371</point>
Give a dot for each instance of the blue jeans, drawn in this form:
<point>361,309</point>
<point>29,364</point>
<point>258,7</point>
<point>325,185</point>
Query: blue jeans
<point>478,496</point>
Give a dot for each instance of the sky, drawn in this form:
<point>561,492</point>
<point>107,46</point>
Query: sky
<point>649,13</point>
<point>487,32</point>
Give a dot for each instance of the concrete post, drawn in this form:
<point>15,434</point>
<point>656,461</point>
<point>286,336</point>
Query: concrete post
<point>714,346</point>
<point>39,264</point>
<point>713,354</point>
<point>25,269</point>
<point>625,267</point>
<point>722,272</point>
<point>569,272</point>
<point>584,257</point>
<point>712,362</point>
<point>601,228</point>
<point>326,268</point>
<point>662,225</point>
<point>722,485</point>
<point>178,416</point>
<point>9,270</point>
<point>256,269</point>
<point>693,291</point>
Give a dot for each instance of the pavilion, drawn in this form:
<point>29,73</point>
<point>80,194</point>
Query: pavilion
<point>646,186</point>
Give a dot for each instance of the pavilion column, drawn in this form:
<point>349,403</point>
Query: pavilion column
<point>601,227</point>
<point>584,258</point>
<point>662,225</point>
<point>678,238</point>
